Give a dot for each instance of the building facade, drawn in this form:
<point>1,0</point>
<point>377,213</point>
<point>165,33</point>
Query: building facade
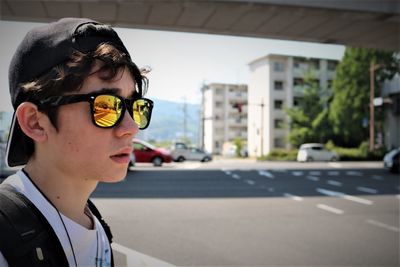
<point>224,115</point>
<point>277,82</point>
<point>391,107</point>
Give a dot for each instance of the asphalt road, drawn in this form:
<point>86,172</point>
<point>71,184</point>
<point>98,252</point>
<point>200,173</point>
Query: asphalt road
<point>243,213</point>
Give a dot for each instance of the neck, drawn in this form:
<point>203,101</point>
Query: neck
<point>68,194</point>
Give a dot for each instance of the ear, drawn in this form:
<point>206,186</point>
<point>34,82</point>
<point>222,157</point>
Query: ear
<point>30,120</point>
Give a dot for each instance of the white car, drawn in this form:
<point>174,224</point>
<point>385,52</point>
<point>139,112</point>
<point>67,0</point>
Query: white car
<point>391,160</point>
<point>316,152</point>
<point>181,153</point>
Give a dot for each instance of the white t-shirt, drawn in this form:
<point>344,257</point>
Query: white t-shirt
<point>91,247</point>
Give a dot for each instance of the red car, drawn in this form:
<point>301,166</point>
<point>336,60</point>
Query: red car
<point>145,152</point>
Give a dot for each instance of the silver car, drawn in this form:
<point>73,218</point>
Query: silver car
<point>316,152</point>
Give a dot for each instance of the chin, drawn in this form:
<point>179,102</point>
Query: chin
<point>115,176</point>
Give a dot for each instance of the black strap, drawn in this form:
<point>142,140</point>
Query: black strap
<point>26,237</point>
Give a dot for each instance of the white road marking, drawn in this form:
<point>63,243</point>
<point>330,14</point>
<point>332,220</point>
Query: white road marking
<point>313,178</point>
<point>330,209</point>
<point>266,174</point>
<point>382,225</point>
<point>377,177</point>
<point>297,173</point>
<point>315,173</point>
<point>342,195</point>
<point>235,176</point>
<point>134,258</point>
<point>354,173</point>
<point>250,182</point>
<point>297,198</point>
<point>335,183</point>
<point>333,173</point>
<point>367,190</point>
<point>271,189</point>
<point>227,172</point>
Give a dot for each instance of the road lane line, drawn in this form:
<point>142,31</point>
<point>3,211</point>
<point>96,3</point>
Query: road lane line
<point>227,172</point>
<point>382,225</point>
<point>377,177</point>
<point>330,209</point>
<point>354,173</point>
<point>342,195</point>
<point>250,182</point>
<point>271,189</point>
<point>297,173</point>
<point>334,183</point>
<point>358,200</point>
<point>315,173</point>
<point>313,178</point>
<point>235,176</point>
<point>297,198</point>
<point>367,190</point>
<point>266,174</point>
<point>134,258</point>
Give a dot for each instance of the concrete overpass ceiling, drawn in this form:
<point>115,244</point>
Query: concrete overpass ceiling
<point>366,23</point>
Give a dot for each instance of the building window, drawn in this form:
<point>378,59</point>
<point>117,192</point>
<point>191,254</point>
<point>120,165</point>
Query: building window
<point>332,65</point>
<point>279,143</point>
<point>216,144</point>
<point>279,66</point>
<point>329,84</point>
<point>298,82</point>
<point>278,85</point>
<point>314,63</point>
<point>278,104</point>
<point>296,101</point>
<point>218,104</point>
<point>278,123</point>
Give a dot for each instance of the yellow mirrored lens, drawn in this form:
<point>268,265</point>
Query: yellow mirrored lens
<point>141,112</point>
<point>107,110</point>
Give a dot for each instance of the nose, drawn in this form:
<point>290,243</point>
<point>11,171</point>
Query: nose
<point>127,127</point>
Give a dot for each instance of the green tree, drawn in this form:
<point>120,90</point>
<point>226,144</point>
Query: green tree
<point>309,120</point>
<point>238,142</point>
<point>351,89</point>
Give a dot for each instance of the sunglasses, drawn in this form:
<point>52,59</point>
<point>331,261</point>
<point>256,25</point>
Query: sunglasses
<point>107,109</point>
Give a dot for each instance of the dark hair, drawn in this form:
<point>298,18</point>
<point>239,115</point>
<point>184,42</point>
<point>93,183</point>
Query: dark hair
<point>69,77</point>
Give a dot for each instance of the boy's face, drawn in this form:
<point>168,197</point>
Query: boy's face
<point>85,151</point>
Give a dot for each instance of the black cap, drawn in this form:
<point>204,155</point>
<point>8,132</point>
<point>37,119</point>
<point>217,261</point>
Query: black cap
<point>43,48</point>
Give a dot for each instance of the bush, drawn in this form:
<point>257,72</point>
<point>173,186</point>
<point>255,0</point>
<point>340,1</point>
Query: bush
<point>360,153</point>
<point>281,154</point>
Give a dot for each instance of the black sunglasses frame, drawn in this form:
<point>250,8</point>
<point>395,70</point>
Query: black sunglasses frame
<point>56,101</point>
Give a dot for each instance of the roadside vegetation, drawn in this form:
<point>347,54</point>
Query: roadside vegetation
<point>360,153</point>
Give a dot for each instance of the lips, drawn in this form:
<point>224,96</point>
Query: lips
<point>122,156</point>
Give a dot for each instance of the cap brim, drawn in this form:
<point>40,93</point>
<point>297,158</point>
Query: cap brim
<point>16,154</point>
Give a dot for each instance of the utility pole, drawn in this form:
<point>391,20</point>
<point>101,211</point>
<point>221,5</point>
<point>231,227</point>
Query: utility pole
<point>372,70</point>
<point>184,120</point>
<point>262,127</point>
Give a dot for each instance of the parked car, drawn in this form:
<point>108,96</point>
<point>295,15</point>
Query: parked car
<point>316,152</point>
<point>181,152</point>
<point>145,152</point>
<point>391,160</point>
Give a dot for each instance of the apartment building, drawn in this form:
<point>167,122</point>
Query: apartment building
<point>276,82</point>
<point>224,115</point>
<point>390,103</point>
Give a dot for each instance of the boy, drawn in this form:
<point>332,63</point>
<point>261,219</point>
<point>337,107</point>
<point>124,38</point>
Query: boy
<point>78,101</point>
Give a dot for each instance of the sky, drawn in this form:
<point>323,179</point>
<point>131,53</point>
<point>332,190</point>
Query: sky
<point>180,62</point>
